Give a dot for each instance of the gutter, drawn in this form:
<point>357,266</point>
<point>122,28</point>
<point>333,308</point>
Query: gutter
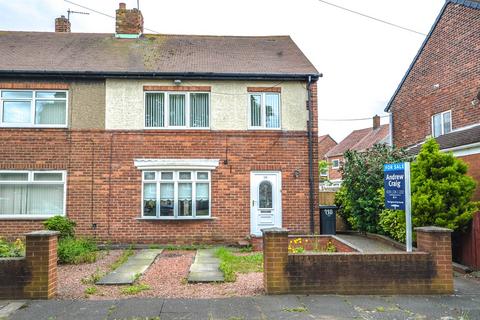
<point>311,181</point>
<point>153,75</point>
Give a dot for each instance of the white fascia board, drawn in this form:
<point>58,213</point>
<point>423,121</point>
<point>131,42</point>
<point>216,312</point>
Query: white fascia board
<point>176,164</point>
<point>465,150</point>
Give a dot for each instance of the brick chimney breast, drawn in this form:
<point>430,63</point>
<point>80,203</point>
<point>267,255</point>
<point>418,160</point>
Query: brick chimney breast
<point>128,21</point>
<point>62,24</point>
<point>376,122</point>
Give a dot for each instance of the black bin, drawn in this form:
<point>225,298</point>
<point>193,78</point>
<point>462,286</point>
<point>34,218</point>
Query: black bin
<point>328,222</point>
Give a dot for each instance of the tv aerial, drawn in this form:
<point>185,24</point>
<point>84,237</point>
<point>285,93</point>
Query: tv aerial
<point>74,12</point>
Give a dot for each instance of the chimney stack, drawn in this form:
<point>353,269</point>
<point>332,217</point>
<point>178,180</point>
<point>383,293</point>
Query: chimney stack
<point>129,22</point>
<point>376,122</point>
<point>62,24</point>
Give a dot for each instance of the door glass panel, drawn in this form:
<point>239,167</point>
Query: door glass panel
<point>265,195</point>
<point>150,199</point>
<point>166,199</point>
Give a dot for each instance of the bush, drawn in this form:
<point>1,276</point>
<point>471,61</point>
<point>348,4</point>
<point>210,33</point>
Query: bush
<point>11,249</point>
<point>359,199</point>
<point>393,224</point>
<point>441,190</point>
<point>65,226</point>
<point>74,251</point>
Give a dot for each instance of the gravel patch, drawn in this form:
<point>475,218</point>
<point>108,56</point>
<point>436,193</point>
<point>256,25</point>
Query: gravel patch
<point>70,276</point>
<point>167,279</point>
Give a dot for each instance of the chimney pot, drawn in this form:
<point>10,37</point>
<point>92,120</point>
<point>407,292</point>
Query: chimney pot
<point>128,21</point>
<point>376,122</point>
<point>62,24</point>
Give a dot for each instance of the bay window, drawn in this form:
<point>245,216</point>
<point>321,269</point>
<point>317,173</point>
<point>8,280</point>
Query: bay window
<point>177,110</point>
<point>176,194</point>
<point>27,194</point>
<point>32,108</point>
<point>264,110</point>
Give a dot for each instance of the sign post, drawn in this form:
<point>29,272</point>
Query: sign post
<point>396,181</point>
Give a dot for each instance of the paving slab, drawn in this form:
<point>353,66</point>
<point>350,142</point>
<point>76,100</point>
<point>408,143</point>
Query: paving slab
<point>205,268</point>
<point>9,307</point>
<point>127,272</point>
<point>367,244</point>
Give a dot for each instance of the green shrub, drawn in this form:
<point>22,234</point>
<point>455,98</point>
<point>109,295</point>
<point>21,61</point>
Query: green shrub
<point>393,224</point>
<point>11,249</point>
<point>65,226</point>
<point>75,251</point>
<point>441,190</point>
<point>359,198</point>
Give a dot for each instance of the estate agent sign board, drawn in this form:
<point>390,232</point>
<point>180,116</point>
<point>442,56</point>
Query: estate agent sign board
<point>396,181</point>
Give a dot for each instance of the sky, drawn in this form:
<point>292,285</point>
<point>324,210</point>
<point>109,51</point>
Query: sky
<point>362,60</point>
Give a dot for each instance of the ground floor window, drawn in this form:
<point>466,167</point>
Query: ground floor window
<point>32,193</point>
<point>176,194</point>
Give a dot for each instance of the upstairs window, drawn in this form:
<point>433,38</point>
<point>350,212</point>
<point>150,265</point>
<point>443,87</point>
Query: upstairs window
<point>27,108</point>
<point>335,164</point>
<point>441,123</point>
<point>177,110</point>
<point>264,110</point>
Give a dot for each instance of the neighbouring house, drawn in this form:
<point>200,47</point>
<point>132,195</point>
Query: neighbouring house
<point>439,97</point>
<point>359,140</point>
<point>155,138</point>
<point>325,143</point>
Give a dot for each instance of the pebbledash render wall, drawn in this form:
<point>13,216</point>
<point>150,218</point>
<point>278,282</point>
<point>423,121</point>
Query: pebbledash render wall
<point>104,186</point>
<point>229,101</point>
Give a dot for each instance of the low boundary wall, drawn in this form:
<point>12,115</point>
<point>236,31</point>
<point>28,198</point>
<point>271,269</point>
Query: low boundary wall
<point>35,275</point>
<point>426,271</point>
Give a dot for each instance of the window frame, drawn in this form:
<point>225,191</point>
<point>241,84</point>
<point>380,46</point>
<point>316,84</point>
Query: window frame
<point>30,180</point>
<point>166,111</point>
<point>263,125</point>
<point>442,121</point>
<point>33,100</point>
<point>176,180</point>
<point>335,166</point>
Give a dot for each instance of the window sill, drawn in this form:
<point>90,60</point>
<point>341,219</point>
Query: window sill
<point>175,219</point>
<point>26,217</point>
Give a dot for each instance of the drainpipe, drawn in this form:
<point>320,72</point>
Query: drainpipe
<point>311,181</point>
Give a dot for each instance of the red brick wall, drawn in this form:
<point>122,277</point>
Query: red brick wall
<point>114,201</point>
<point>35,275</point>
<point>473,162</point>
<point>334,174</point>
<point>427,271</point>
<point>449,59</point>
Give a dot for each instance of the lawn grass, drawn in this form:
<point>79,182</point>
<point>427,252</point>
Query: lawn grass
<point>231,264</point>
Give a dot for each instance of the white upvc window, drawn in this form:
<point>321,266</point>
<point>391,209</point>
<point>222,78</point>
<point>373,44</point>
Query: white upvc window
<point>264,110</point>
<point>177,110</point>
<point>335,164</point>
<point>32,194</point>
<point>176,194</point>
<point>34,108</point>
<point>441,123</point>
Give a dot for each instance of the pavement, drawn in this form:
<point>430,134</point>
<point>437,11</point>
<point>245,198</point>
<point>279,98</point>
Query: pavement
<point>205,268</point>
<point>464,304</point>
<point>128,272</point>
<point>366,244</point>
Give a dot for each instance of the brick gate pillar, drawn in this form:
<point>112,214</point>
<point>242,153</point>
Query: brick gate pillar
<point>41,261</point>
<point>437,241</point>
<point>275,258</point>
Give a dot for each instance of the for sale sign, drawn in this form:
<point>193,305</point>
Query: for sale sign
<point>394,184</point>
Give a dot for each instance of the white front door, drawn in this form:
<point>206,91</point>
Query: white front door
<point>265,201</point>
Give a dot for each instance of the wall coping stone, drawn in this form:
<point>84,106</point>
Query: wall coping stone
<point>433,229</point>
<point>274,230</point>
<point>42,233</point>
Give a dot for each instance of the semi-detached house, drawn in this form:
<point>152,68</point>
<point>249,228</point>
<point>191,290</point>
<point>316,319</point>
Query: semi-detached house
<point>154,138</point>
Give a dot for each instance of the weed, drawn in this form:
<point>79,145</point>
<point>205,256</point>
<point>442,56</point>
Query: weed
<point>134,289</point>
<point>380,309</point>
<point>231,264</point>
<point>75,251</point>
<point>91,290</point>
<point>122,259</point>
<point>93,278</point>
<point>248,248</point>
<point>301,308</point>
